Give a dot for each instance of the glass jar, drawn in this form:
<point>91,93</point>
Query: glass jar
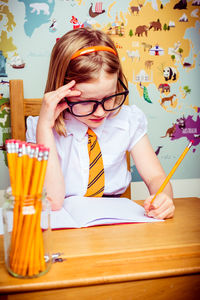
<point>26,235</point>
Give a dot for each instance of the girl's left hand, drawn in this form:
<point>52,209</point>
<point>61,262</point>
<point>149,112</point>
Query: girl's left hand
<point>161,208</point>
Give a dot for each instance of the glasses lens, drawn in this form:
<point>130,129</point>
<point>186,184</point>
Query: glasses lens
<point>114,102</point>
<point>82,109</point>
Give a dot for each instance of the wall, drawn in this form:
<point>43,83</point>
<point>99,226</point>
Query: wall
<point>151,36</point>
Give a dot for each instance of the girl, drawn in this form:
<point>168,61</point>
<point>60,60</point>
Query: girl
<point>86,88</point>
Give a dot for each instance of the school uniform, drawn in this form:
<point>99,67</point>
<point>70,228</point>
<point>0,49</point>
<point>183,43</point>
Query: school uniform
<point>118,134</point>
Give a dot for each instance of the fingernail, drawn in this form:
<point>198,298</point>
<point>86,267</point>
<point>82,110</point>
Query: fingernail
<point>150,214</point>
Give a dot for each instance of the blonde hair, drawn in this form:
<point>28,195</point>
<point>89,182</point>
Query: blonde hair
<point>83,68</point>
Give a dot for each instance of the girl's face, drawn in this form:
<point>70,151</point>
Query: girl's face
<point>96,89</point>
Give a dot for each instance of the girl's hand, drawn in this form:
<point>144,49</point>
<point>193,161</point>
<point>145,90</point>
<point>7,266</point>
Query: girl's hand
<point>52,104</point>
<point>161,208</point>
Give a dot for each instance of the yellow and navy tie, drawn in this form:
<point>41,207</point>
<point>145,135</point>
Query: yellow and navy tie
<point>96,170</point>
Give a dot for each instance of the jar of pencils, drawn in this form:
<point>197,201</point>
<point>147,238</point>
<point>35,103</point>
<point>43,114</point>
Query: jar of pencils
<point>26,211</point>
<point>26,235</point>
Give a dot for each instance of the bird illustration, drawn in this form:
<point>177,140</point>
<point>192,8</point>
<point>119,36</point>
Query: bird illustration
<point>158,150</point>
<point>145,93</point>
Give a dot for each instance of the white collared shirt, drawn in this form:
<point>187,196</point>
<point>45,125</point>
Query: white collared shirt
<point>116,135</point>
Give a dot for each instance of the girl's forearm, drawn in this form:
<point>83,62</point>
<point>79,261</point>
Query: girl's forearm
<point>155,184</point>
<point>54,179</point>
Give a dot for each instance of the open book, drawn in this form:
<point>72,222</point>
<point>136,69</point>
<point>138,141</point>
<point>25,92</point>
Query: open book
<point>80,212</point>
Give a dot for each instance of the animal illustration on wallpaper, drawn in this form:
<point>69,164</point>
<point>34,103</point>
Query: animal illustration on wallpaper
<point>170,131</point>
<point>53,26</point>
<point>181,122</point>
<point>146,46</point>
<point>140,30</point>
<point>156,25</point>
<point>3,119</point>
<point>170,99</point>
<point>76,23</point>
<point>158,150</point>
<point>145,93</point>
<point>133,54</point>
<point>5,106</point>
<point>136,9</point>
<point>182,4</point>
<point>148,64</point>
<point>40,7</point>
<point>169,73</point>
<point>164,87</point>
<point>98,10</point>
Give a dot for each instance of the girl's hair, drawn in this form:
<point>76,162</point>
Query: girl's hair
<point>83,68</point>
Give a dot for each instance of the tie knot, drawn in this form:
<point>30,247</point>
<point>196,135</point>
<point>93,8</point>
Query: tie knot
<point>91,133</point>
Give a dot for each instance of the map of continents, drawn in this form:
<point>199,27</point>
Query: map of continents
<point>37,13</point>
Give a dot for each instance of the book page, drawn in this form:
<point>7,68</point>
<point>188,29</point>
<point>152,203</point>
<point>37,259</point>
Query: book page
<point>89,211</point>
<point>58,219</point>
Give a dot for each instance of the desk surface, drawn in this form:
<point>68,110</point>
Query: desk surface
<point>119,253</point>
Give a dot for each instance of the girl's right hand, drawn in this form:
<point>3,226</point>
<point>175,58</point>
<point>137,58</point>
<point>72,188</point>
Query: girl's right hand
<point>52,105</point>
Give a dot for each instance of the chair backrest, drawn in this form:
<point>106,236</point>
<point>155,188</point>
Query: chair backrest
<point>20,108</point>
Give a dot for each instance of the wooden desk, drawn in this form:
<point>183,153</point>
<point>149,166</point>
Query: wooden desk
<point>129,261</point>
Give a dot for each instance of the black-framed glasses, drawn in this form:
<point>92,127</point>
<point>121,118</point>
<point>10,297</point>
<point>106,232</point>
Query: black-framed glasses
<point>86,108</point>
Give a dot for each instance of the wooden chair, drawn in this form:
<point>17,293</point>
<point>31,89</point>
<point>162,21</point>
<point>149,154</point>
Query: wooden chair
<point>21,108</point>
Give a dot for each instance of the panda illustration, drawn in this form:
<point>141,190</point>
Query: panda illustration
<point>169,73</point>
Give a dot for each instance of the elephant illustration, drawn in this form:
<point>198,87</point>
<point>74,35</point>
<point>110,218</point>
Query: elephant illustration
<point>140,30</point>
<point>164,87</point>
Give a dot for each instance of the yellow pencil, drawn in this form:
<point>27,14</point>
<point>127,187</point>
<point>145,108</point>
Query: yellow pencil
<point>167,179</point>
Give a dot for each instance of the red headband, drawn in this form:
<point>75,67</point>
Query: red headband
<point>87,50</point>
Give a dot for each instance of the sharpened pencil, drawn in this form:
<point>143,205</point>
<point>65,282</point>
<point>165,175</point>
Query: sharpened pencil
<point>169,176</point>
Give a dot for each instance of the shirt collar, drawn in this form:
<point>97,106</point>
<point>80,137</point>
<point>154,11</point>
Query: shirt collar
<point>119,119</point>
<point>79,129</point>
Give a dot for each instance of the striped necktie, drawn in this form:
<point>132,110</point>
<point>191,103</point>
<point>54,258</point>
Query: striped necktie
<point>96,170</point>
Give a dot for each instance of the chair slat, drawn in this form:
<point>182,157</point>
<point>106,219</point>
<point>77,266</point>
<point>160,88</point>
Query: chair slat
<point>32,107</point>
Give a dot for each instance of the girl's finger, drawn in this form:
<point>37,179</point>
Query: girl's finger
<point>147,203</point>
<point>159,210</point>
<point>66,87</point>
<point>60,108</point>
<point>71,93</point>
<point>62,92</point>
<point>156,203</point>
<point>159,200</point>
<point>166,214</point>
